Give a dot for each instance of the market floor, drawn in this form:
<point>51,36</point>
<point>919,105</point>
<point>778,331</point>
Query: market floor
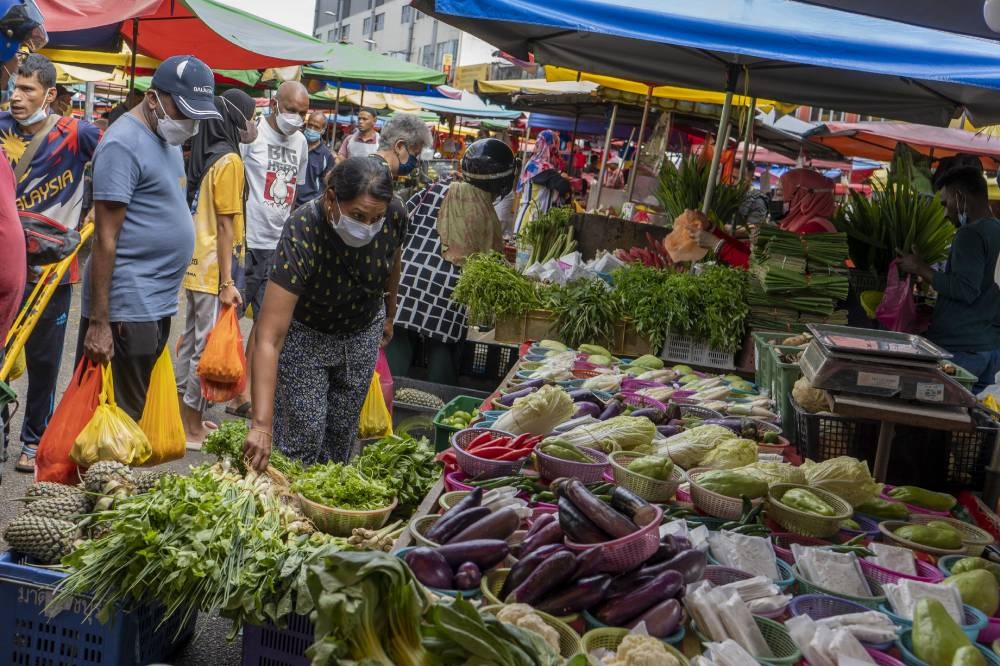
<point>209,647</point>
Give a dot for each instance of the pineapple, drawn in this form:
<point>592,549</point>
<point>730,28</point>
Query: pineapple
<point>105,472</point>
<point>46,540</point>
<point>144,481</point>
<point>65,507</point>
<point>42,489</point>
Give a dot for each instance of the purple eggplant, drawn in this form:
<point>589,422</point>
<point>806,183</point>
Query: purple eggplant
<point>619,610</point>
<point>613,409</point>
<point>508,400</point>
<point>549,575</point>
<point>670,546</point>
<point>733,423</point>
<point>548,535</point>
<point>429,567</point>
<point>526,565</point>
<point>651,413</point>
<point>587,409</point>
<point>626,584</point>
<point>467,577</point>
<point>669,430</point>
<point>443,527</point>
<point>584,395</point>
<point>589,562</point>
<point>531,384</point>
<point>676,422</point>
<point>579,595</point>
<point>662,619</point>
<point>540,522</point>
<point>484,553</point>
<point>690,564</point>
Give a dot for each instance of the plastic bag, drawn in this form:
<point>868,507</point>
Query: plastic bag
<point>111,434</point>
<point>679,244</point>
<point>52,462</point>
<point>385,379</point>
<point>898,310</point>
<point>375,418</point>
<point>223,359</point>
<point>161,417</point>
<point>224,374</point>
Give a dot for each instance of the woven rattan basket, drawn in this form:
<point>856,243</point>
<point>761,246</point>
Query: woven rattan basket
<point>610,639</point>
<point>649,489</point>
<point>803,522</point>
<point>340,522</point>
<point>712,503</point>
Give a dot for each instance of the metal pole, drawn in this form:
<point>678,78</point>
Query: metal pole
<point>336,110</point>
<point>727,108</point>
<point>88,103</point>
<point>751,112</point>
<point>135,51</point>
<point>604,153</point>
<point>638,145</point>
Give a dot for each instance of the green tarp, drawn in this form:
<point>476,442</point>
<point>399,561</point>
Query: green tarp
<point>351,63</point>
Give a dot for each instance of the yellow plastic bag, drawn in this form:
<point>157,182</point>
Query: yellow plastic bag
<point>161,417</point>
<point>375,418</point>
<point>111,434</point>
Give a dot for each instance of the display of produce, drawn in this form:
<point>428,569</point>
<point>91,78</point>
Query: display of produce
<point>550,235</point>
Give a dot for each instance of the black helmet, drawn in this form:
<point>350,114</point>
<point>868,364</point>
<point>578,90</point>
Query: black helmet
<point>489,165</point>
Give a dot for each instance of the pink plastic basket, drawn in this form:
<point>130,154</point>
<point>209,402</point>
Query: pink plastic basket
<point>551,467</point>
<point>631,384</point>
<point>782,544</point>
<point>640,401</point>
<point>882,659</point>
<point>454,481</point>
<point>913,508</point>
<point>482,468</point>
<point>630,551</point>
<point>990,632</point>
<point>927,573</point>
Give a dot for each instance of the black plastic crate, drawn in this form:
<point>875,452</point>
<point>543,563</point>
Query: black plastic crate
<point>948,461</point>
<point>486,360</point>
<point>269,646</point>
<point>823,436</point>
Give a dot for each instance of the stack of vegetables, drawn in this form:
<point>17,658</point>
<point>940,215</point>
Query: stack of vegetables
<point>550,235</point>
<point>797,278</point>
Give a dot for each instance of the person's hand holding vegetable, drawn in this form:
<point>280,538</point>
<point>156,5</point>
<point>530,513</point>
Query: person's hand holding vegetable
<point>914,265</point>
<point>257,448</point>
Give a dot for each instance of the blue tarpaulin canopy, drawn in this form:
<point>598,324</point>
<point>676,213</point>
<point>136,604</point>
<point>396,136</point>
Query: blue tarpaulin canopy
<point>469,106</point>
<point>776,49</point>
<point>962,16</point>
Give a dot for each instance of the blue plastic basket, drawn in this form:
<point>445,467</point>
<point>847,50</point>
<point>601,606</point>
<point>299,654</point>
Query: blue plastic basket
<point>972,623</point>
<point>71,638</point>
<point>267,645</point>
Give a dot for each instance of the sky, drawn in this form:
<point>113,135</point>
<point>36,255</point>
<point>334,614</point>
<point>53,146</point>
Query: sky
<point>297,14</point>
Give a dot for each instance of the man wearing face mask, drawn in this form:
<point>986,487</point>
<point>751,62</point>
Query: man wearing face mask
<point>364,140</point>
<point>320,160</point>
<point>967,314</point>
<point>49,154</point>
<point>144,234</point>
<point>276,165</point>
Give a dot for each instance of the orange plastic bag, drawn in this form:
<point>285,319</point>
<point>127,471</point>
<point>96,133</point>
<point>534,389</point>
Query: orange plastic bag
<point>161,417</point>
<point>223,359</point>
<point>679,244</point>
<point>52,462</point>
<point>111,434</point>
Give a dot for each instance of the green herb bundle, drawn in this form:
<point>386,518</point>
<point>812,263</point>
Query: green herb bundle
<point>683,187</point>
<point>777,280</point>
<point>584,312</point>
<point>795,251</point>
<point>405,465</point>
<point>490,287</point>
<point>550,235</point>
<point>227,442</point>
<point>343,486</point>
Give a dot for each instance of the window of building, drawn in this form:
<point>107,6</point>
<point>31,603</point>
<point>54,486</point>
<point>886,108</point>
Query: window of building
<point>366,26</point>
<point>345,7</point>
<point>379,21</point>
<point>345,33</point>
<point>427,55</point>
<point>331,36</point>
<point>450,46</point>
<point>407,14</point>
<point>419,14</point>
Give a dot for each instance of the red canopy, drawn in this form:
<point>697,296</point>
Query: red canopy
<point>82,14</point>
<point>877,140</point>
<point>762,155</point>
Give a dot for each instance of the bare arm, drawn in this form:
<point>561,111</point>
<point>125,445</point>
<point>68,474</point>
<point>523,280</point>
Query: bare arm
<point>269,338</point>
<point>391,287</point>
<point>229,295</point>
<point>108,220</point>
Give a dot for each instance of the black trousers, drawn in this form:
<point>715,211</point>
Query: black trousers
<point>43,354</point>
<point>138,345</point>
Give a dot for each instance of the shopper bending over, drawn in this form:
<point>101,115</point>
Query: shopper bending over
<point>967,315</point>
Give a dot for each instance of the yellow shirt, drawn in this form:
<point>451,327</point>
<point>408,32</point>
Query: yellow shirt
<point>221,193</point>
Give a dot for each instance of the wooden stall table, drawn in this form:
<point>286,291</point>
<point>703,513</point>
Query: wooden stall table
<point>891,412</point>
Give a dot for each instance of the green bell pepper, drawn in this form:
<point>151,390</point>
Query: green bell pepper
<point>884,509</point>
<point>936,637</point>
<point>972,563</point>
<point>968,655</point>
<point>653,466</point>
<point>926,499</point>
<point>806,500</point>
<point>933,536</point>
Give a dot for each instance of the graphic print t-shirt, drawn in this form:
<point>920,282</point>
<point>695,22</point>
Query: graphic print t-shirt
<point>275,164</point>
<point>53,184</point>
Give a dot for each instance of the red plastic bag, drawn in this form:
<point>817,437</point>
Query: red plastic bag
<point>223,364</point>
<point>75,409</point>
<point>385,379</point>
<point>898,310</point>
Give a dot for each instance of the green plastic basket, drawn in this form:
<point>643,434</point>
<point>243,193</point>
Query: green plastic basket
<point>610,639</point>
<point>442,432</point>
<point>786,653</point>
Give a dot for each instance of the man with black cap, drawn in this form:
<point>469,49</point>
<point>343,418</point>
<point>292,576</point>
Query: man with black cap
<point>144,233</point>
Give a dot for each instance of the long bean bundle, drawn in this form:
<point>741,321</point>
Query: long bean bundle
<point>777,280</point>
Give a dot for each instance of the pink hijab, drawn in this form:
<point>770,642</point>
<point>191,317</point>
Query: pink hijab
<point>810,201</point>
<point>541,159</point>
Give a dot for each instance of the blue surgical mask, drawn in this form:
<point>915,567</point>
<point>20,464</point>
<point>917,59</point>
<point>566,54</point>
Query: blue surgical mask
<point>963,218</point>
<point>409,165</point>
<point>312,135</point>
<point>38,116</point>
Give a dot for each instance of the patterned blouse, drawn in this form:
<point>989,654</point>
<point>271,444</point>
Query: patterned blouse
<point>341,288</point>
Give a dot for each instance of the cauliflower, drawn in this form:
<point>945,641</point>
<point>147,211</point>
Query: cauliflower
<point>639,650</point>
<point>524,617</point>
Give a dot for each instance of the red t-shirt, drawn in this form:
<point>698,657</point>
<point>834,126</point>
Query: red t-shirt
<point>13,255</point>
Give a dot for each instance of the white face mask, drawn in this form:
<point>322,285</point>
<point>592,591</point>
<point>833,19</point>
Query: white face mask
<point>355,233</point>
<point>288,123</point>
<point>173,131</point>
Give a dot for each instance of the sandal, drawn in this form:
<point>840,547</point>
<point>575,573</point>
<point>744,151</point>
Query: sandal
<point>243,411</point>
<point>25,467</point>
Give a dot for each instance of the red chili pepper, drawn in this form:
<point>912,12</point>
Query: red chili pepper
<point>498,441</point>
<point>514,454</point>
<point>490,452</point>
<point>480,439</point>
<point>519,441</point>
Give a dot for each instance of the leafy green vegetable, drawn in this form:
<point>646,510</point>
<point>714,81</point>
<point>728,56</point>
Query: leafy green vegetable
<point>227,442</point>
<point>684,187</point>
<point>405,465</point>
<point>537,413</point>
<point>342,486</point>
<point>490,287</point>
<point>583,312</point>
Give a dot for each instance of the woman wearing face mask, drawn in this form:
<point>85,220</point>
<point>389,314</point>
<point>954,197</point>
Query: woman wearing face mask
<point>318,333</point>
<point>216,185</point>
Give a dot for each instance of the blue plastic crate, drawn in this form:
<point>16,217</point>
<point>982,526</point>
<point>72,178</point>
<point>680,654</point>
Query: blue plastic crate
<point>266,645</point>
<point>70,638</point>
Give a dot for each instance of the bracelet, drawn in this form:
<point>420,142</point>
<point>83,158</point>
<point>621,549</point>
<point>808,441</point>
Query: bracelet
<point>227,283</point>
<point>718,246</point>
<point>263,432</point>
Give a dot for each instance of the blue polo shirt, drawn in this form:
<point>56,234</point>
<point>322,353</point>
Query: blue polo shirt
<point>320,162</point>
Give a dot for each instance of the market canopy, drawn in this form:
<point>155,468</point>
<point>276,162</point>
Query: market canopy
<point>121,59</point>
<point>345,62</point>
<point>877,141</point>
<point>468,106</point>
<point>773,49</point>
<point>375,100</point>
<point>964,17</point>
